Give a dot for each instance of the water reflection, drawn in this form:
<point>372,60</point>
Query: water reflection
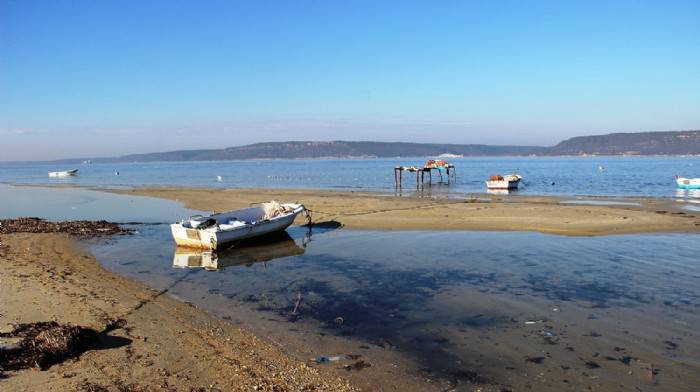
<point>256,250</point>
<point>688,194</point>
<point>501,191</point>
<point>568,307</point>
<point>259,251</point>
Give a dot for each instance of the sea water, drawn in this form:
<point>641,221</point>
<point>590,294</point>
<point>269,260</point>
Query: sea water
<point>606,176</point>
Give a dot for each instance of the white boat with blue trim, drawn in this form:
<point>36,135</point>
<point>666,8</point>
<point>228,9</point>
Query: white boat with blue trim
<point>219,230</point>
<point>687,183</point>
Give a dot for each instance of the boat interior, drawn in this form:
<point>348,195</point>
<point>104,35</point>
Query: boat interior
<point>246,215</point>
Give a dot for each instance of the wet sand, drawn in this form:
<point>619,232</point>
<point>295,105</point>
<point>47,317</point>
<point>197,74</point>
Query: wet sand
<point>479,212</point>
<point>164,344</point>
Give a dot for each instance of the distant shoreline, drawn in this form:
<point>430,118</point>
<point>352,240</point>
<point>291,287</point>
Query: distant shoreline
<point>79,164</point>
<point>670,143</point>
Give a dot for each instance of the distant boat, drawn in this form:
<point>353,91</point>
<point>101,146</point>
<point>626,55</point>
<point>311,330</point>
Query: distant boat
<point>450,155</point>
<point>65,173</point>
<point>688,183</point>
<point>509,181</point>
<point>218,230</point>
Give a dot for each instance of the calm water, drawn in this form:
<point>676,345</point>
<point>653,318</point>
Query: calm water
<point>622,176</point>
<point>523,310</point>
<point>465,306</point>
<point>75,203</point>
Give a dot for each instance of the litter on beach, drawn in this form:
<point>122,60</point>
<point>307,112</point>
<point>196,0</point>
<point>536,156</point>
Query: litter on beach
<point>335,358</point>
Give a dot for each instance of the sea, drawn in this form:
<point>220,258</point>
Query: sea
<point>574,176</point>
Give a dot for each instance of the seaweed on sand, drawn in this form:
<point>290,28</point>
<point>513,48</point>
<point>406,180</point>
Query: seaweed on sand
<point>82,228</point>
<point>44,344</point>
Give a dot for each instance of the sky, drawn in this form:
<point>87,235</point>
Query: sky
<point>105,78</point>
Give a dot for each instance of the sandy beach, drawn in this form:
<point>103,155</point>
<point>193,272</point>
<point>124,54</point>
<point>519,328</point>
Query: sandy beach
<point>483,212</point>
<point>160,343</point>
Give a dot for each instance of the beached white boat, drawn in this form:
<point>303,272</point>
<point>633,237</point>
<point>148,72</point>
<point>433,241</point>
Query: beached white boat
<point>509,181</point>
<point>218,230</point>
<point>688,183</point>
<point>65,173</point>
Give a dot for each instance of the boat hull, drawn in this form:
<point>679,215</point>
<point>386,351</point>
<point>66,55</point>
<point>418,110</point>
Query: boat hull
<point>213,238</point>
<point>502,184</point>
<point>67,173</point>
<point>688,183</point>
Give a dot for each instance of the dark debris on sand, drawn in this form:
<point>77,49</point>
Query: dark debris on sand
<point>82,228</point>
<point>44,344</point>
<point>3,248</point>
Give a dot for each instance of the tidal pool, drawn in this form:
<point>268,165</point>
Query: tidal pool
<point>516,310</point>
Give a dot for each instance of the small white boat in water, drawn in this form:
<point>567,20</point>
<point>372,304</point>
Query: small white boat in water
<point>509,181</point>
<point>227,228</point>
<point>688,183</point>
<point>65,173</point>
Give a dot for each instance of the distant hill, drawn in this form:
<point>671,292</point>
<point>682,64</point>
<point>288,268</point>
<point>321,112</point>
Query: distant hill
<point>335,149</point>
<point>641,143</point>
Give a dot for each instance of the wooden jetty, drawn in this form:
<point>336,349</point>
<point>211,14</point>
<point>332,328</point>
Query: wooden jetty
<point>428,168</point>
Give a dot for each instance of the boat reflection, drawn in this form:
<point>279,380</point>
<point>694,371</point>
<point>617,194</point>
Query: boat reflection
<point>688,194</point>
<point>260,250</point>
<point>501,191</point>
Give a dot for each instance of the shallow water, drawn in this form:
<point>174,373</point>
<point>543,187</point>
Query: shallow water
<point>622,176</point>
<point>492,307</point>
<point>515,309</point>
<point>76,203</point>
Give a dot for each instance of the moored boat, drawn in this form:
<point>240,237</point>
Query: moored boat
<point>65,173</point>
<point>218,230</point>
<point>509,181</point>
<point>687,183</point>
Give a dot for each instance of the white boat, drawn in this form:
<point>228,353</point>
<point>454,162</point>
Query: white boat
<point>509,181</point>
<point>65,173</point>
<point>688,183</point>
<point>218,230</point>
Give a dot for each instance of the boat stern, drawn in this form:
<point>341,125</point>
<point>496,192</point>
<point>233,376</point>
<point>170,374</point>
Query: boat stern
<point>192,238</point>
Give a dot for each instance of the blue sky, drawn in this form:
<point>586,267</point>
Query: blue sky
<point>96,78</point>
